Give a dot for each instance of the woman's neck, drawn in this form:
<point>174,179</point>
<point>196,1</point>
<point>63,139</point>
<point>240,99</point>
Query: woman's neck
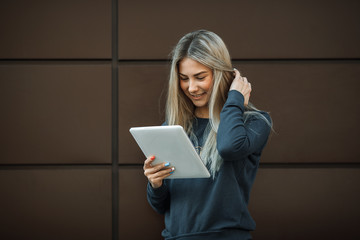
<point>202,112</point>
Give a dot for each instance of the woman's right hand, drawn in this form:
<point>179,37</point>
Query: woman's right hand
<point>156,174</point>
<point>242,85</point>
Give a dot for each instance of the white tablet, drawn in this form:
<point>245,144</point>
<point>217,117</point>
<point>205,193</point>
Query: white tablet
<point>171,144</point>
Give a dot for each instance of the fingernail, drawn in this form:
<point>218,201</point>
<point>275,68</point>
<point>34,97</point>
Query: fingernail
<point>152,158</point>
<point>167,164</point>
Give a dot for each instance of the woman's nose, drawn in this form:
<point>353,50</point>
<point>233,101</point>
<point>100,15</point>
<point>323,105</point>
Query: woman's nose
<point>192,86</point>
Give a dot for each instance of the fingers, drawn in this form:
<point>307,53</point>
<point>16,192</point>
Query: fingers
<point>240,83</point>
<point>156,180</point>
<point>148,161</point>
<point>247,86</point>
<point>160,175</point>
<point>158,172</point>
<point>156,168</point>
<point>237,73</point>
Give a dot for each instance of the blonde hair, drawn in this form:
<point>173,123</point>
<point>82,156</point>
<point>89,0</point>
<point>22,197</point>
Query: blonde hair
<point>208,49</point>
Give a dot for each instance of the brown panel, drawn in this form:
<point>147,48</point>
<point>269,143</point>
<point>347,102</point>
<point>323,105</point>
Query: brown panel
<point>285,203</point>
<point>137,219</point>
<point>55,29</point>
<point>315,107</point>
<point>306,204</point>
<point>61,203</point>
<point>55,113</point>
<point>251,29</point>
<point>142,90</point>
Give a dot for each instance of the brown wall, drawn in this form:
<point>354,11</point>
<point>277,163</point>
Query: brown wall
<point>76,75</point>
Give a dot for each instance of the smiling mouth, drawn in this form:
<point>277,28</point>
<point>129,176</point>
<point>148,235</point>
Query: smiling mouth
<point>197,96</point>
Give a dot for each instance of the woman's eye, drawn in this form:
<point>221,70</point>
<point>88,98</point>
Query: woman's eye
<point>183,78</point>
<point>200,78</point>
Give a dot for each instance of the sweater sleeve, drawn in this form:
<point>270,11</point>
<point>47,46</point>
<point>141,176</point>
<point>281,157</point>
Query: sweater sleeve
<point>236,139</point>
<point>158,198</point>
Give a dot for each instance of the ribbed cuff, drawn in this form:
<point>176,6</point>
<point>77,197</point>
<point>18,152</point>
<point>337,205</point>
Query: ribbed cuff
<point>157,191</point>
<point>235,98</point>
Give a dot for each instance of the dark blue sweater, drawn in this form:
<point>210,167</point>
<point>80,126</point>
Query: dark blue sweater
<point>216,208</point>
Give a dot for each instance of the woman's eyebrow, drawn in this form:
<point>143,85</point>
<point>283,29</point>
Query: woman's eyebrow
<point>200,73</point>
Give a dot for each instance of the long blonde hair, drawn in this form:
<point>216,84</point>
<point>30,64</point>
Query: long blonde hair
<point>208,49</point>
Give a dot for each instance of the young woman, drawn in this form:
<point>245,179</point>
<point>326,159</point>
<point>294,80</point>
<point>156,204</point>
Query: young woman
<point>210,100</point>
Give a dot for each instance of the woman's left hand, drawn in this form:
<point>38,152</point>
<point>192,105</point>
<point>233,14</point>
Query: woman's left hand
<point>242,85</point>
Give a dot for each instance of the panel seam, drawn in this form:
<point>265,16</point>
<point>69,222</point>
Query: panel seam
<point>115,121</point>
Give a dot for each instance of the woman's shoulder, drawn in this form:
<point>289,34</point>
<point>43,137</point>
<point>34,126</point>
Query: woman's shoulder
<point>266,115</point>
<point>260,121</point>
<point>258,114</point>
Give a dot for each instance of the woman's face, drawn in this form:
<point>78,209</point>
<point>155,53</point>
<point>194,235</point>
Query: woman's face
<point>196,81</point>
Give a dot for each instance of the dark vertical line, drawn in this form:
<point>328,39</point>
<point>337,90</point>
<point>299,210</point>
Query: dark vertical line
<point>115,121</point>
